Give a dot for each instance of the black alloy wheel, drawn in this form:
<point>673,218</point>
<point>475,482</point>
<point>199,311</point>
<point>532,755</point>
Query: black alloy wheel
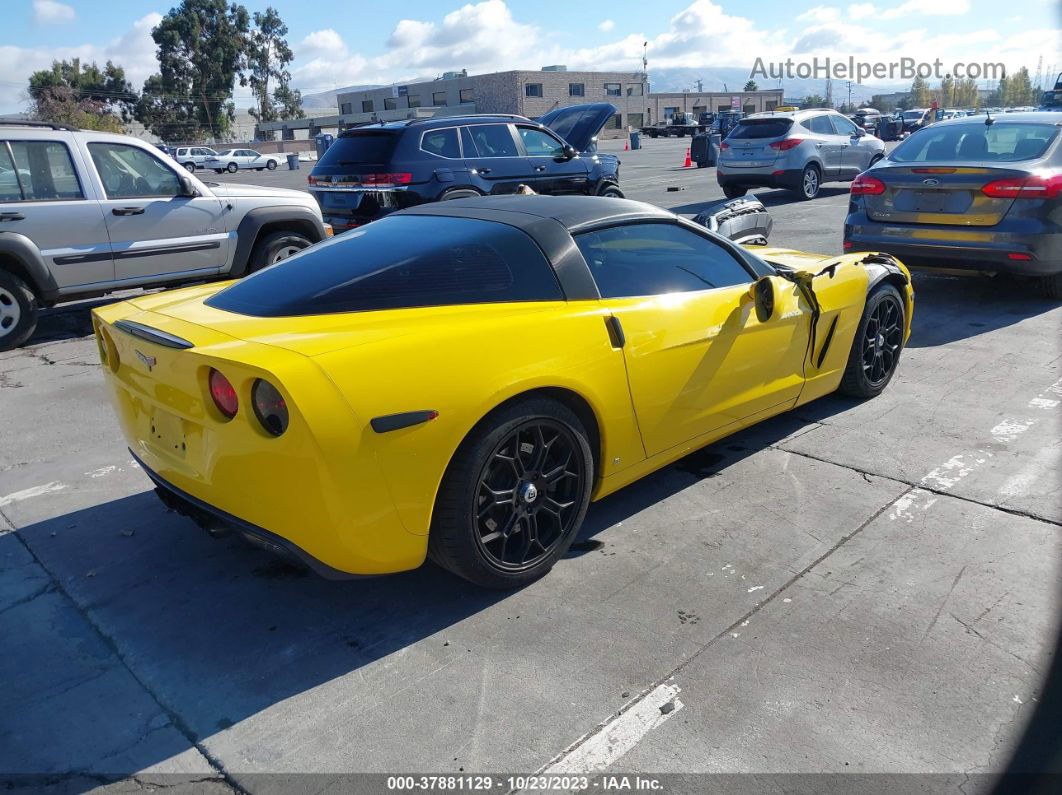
<point>881,341</point>
<point>529,495</point>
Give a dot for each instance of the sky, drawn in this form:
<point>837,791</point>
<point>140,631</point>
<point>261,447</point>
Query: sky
<point>386,43</point>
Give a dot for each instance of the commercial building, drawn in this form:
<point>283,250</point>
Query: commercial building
<point>525,93</point>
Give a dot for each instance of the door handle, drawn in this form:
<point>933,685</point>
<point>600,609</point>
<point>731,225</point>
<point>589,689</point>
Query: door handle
<point>12,217</point>
<point>128,211</point>
<point>540,168</point>
<point>483,170</point>
<point>818,145</point>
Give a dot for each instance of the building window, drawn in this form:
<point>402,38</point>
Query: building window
<point>366,106</point>
<point>669,112</point>
<point>390,103</point>
<point>346,107</point>
<point>636,120</point>
<point>467,95</point>
<point>532,89</point>
<point>576,90</point>
<point>634,89</point>
<point>770,105</point>
<point>749,109</point>
<point>699,109</point>
<point>288,135</point>
<point>438,99</point>
<point>613,89</point>
<point>414,102</point>
<point>616,122</point>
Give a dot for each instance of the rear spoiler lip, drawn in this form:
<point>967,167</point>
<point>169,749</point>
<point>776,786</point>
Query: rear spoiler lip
<point>155,335</point>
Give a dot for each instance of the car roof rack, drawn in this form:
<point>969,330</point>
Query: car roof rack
<point>470,116</point>
<point>51,125</point>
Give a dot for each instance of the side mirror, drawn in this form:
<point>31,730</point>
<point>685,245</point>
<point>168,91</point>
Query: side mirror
<point>762,292</point>
<point>567,153</point>
<point>187,188</point>
<point>860,132</point>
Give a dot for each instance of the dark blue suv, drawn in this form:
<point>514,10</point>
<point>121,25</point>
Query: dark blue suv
<point>373,170</point>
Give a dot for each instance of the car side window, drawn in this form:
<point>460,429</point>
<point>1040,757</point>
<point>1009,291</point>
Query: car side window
<point>820,124</point>
<point>46,171</point>
<point>442,143</point>
<point>129,172</point>
<point>540,144</point>
<point>468,143</point>
<point>657,258</point>
<point>494,140</point>
<point>843,125</point>
<point>9,187</point>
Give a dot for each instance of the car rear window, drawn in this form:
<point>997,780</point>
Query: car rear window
<point>360,148</point>
<point>976,141</point>
<point>761,128</point>
<point>400,262</point>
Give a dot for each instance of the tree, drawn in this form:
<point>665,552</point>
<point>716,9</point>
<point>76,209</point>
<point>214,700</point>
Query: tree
<point>813,101</point>
<point>202,46</point>
<point>88,97</point>
<point>751,86</point>
<point>881,103</point>
<point>168,110</point>
<point>966,93</point>
<point>268,56</point>
<point>1020,90</point>
<point>920,92</point>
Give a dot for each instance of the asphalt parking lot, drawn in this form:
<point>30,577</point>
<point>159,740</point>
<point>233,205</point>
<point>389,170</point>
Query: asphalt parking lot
<point>860,588</point>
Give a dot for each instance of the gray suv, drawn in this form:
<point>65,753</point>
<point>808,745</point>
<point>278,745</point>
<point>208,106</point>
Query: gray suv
<point>798,150</point>
<point>84,213</point>
<point>193,157</point>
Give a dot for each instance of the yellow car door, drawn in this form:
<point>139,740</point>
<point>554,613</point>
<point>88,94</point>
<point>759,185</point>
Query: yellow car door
<point>698,358</point>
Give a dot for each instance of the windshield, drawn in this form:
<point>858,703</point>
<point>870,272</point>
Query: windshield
<point>975,140</point>
<point>360,148</point>
<point>400,262</point>
<point>911,115</point>
<point>761,128</point>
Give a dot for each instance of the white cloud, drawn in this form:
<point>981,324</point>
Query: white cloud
<point>51,11</point>
<point>606,25</point>
<point>820,14</point>
<point>862,10</point>
<point>134,50</point>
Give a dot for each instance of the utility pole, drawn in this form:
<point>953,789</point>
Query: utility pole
<point>849,96</point>
<point>829,93</point>
<point>700,86</point>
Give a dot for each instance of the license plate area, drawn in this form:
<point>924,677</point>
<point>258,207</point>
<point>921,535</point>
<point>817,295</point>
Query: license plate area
<point>168,433</point>
<point>929,201</point>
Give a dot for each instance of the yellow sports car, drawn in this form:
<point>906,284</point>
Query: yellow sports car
<point>460,379</point>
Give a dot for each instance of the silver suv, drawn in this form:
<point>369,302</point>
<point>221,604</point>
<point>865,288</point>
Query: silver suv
<point>798,150</point>
<point>84,213</point>
<point>193,157</point>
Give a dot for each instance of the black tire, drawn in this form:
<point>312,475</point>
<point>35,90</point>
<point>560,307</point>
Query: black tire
<point>459,193</point>
<point>464,541</point>
<point>260,169</point>
<point>861,377</point>
<point>272,165</point>
<point>276,247</point>
<point>734,191</point>
<point>219,171</point>
<point>1051,286</point>
<point>810,182</point>
<point>190,167</point>
<point>611,192</point>
<point>18,311</point>
<point>702,164</point>
<point>232,168</point>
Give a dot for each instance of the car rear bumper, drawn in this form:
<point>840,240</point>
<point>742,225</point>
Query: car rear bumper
<point>768,177</point>
<point>963,248</point>
<point>346,208</point>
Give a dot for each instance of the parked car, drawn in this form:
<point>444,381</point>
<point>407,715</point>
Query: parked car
<point>193,157</point>
<point>480,370</point>
<point>84,213</point>
<point>967,193</point>
<point>232,160</point>
<point>373,170</point>
<point>914,119</point>
<point>867,118</point>
<point>798,151</point>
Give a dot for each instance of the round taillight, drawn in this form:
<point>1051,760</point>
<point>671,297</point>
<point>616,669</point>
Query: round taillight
<point>224,394</point>
<point>108,351</point>
<point>269,407</point>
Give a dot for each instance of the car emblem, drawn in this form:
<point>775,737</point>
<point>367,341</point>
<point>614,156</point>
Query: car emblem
<point>149,361</point>
<point>931,182</point>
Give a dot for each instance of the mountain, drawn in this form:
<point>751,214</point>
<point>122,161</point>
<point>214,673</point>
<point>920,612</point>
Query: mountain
<point>327,99</point>
<point>726,78</point>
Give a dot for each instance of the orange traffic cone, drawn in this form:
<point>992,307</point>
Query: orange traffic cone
<point>626,146</point>
<point>688,163</point>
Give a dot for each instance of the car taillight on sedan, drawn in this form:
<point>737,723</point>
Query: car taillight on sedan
<point>269,407</point>
<point>1037,186</point>
<point>724,146</point>
<point>223,394</point>
<point>786,144</point>
<point>865,185</point>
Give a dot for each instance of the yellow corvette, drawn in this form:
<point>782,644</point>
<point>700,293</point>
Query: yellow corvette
<point>461,379</point>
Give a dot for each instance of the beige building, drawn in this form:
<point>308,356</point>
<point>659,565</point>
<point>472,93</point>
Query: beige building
<point>524,93</point>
